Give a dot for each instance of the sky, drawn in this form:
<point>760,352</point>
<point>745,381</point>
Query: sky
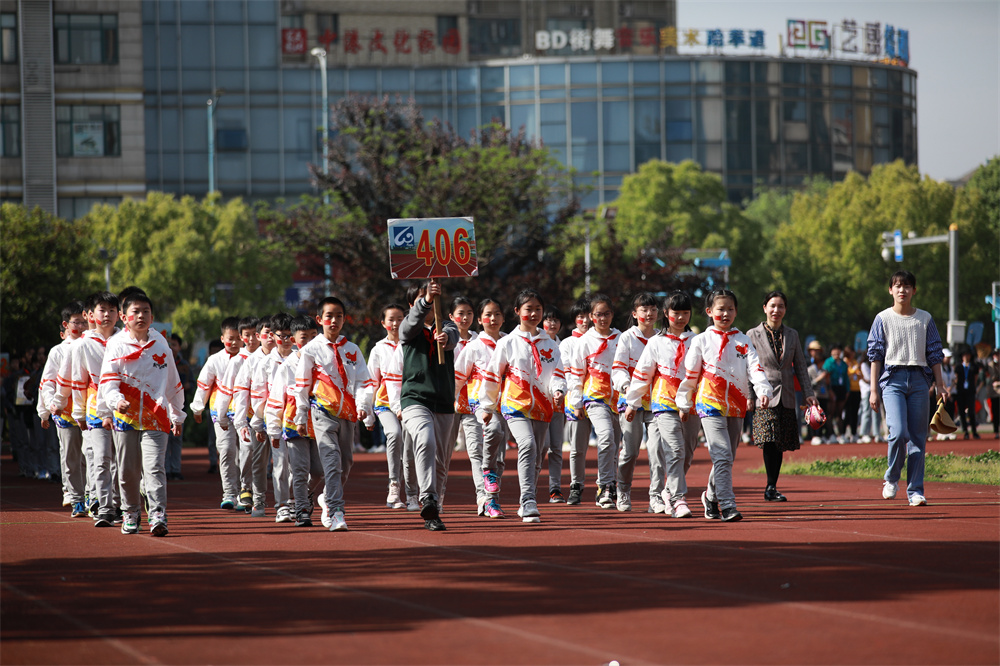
<point>954,48</point>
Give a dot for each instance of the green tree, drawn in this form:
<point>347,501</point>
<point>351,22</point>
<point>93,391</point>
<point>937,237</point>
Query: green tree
<point>977,216</point>
<point>45,262</point>
<point>387,162</point>
<point>198,260</point>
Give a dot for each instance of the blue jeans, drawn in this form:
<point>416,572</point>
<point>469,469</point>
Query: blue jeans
<point>906,417</point>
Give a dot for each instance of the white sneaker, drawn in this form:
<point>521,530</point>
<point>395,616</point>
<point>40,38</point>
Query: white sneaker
<point>866,440</point>
<point>624,502</point>
<point>816,441</point>
<point>529,512</point>
<point>392,500</point>
<point>284,515</point>
<point>325,518</point>
<point>657,505</point>
<point>681,510</point>
<point>338,524</point>
<point>889,490</point>
<point>412,503</point>
<point>917,499</point>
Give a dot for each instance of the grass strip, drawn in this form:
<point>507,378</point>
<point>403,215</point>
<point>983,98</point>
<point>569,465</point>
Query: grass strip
<point>982,468</point>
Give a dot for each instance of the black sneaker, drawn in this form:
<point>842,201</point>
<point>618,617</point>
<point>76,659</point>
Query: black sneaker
<point>575,494</point>
<point>119,516</point>
<point>711,507</point>
<point>430,510</point>
<point>104,519</point>
<point>731,515</point>
<point>302,519</point>
<point>771,494</point>
<point>606,498</point>
<point>435,525</point>
<point>556,497</point>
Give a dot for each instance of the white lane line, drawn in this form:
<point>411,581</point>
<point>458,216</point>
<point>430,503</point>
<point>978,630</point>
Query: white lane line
<point>139,657</point>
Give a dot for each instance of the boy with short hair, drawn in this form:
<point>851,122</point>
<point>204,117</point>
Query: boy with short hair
<point>225,407</point>
<point>280,326</point>
<point>141,396</point>
<point>334,391</point>
<point>904,348</point>
<point>279,419</point>
<point>209,380</point>
<point>256,458</point>
<point>71,456</point>
<point>427,396</point>
<point>81,374</point>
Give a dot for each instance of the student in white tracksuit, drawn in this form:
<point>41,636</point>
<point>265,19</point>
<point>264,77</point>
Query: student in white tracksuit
<point>591,394</point>
<point>577,432</point>
<point>379,362</point>
<point>630,348</point>
<point>243,411</point>
<point>485,444</point>
<point>718,370</point>
<point>226,412</point>
<point>527,365</point>
<point>657,375</point>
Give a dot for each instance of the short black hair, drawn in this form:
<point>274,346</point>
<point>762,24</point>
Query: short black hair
<point>70,309</point>
<point>230,324</point>
<point>104,298</point>
<point>552,312</point>
<point>215,346</point>
<point>719,293</point>
<point>136,297</point>
<point>330,300</point>
<point>415,291</point>
<point>392,306</point>
<point>263,322</point>
<point>303,323</point>
<point>601,298</point>
<point>526,295</point>
<point>461,300</point>
<point>281,321</point>
<point>582,306</point>
<point>775,294</point>
<point>248,322</point>
<point>906,277</point>
<point>128,291</point>
<point>644,299</point>
<point>678,301</point>
<point>175,336</point>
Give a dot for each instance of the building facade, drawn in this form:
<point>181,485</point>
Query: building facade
<point>599,82</point>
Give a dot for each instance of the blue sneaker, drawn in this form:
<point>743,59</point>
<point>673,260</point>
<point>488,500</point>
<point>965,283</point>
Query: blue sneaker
<point>228,503</point>
<point>79,509</point>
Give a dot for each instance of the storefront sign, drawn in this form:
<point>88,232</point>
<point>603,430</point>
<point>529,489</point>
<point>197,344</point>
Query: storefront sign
<point>850,38</point>
<point>432,247</point>
<point>402,41</point>
<point>624,39</point>
<point>293,40</point>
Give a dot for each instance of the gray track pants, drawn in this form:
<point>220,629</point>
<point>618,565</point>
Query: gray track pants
<point>680,440</point>
<point>430,432</point>
<point>723,436</point>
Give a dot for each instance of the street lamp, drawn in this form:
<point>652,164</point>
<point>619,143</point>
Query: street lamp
<point>212,103</point>
<point>893,244</point>
<point>107,256</point>
<point>320,54</point>
<point>608,215</point>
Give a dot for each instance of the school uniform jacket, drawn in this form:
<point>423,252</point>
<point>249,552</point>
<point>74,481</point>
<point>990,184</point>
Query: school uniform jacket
<point>378,369</point>
<point>565,350</point>
<point>530,370</point>
<point>630,347</point>
<point>48,386</point>
<point>333,377</point>
<point>659,373</point>
<point>260,388</point>
<point>243,388</point>
<point>144,374</point>
<point>470,372</point>
<point>223,406</point>
<point>279,412</point>
<point>208,383</point>
<point>588,370</point>
<point>718,370</point>
<point>393,375</point>
<point>81,376</point>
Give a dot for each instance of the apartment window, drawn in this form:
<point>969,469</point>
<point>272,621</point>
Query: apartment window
<point>86,39</point>
<point>10,131</point>
<point>327,26</point>
<point>88,131</point>
<point>495,37</point>
<point>8,38</point>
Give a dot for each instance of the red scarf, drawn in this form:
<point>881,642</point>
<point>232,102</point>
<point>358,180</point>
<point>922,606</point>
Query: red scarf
<point>681,350</point>
<point>534,354</point>
<point>336,354</point>
<point>134,356</point>
<point>603,346</point>
<point>725,338</point>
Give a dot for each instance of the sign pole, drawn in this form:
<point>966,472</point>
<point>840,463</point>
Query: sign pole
<point>438,325</point>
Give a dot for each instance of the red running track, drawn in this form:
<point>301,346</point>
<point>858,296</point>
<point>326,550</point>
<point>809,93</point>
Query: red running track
<point>834,576</point>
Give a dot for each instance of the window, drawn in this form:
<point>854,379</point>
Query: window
<point>326,27</point>
<point>494,37</point>
<point>444,25</point>
<point>8,38</point>
<point>86,39</point>
<point>10,131</point>
<point>88,131</point>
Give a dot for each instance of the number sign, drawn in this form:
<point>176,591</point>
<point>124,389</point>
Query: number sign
<point>432,247</point>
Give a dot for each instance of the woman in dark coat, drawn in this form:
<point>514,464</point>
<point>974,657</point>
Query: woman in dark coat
<point>776,428</point>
